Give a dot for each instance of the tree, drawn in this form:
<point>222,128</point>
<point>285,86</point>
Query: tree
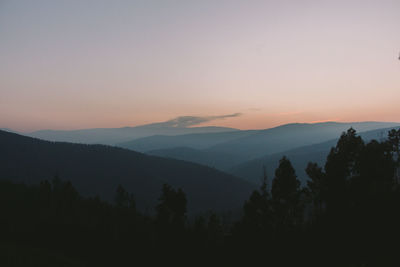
<point>341,166</point>
<point>171,211</point>
<point>316,187</point>
<point>376,171</point>
<point>257,210</point>
<point>394,143</point>
<point>255,227</point>
<point>215,231</point>
<point>121,197</point>
<point>394,140</point>
<point>286,195</point>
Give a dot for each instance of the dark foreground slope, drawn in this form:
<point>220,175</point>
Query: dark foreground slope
<point>98,169</point>
<point>220,161</point>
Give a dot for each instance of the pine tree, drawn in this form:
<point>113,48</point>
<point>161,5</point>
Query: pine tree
<point>286,195</point>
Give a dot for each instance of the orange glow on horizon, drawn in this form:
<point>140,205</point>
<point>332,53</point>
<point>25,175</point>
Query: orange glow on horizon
<point>130,64</point>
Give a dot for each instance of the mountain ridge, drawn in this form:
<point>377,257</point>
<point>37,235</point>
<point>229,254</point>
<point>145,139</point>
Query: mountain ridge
<point>98,169</point>
<point>252,170</point>
<point>112,136</point>
<point>251,145</point>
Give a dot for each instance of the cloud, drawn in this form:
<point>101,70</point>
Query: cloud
<point>187,121</point>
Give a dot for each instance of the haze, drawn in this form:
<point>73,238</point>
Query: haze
<point>86,64</point>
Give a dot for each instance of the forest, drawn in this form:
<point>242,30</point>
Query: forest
<point>347,214</point>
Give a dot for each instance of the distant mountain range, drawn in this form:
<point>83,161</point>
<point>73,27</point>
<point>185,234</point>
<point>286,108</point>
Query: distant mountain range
<point>227,150</point>
<point>195,141</point>
<point>218,147</point>
<point>174,153</point>
<point>252,170</point>
<point>112,136</point>
<point>98,169</point>
<point>300,157</point>
<point>290,136</point>
<point>172,134</point>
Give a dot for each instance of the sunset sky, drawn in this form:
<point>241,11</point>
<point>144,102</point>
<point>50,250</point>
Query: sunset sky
<point>86,64</point>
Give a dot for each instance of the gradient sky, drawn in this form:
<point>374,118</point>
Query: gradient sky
<point>85,64</point>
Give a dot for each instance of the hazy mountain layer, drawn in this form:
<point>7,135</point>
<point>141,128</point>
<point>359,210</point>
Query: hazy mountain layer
<point>196,141</point>
<point>252,170</point>
<point>112,136</point>
<point>239,147</point>
<point>290,136</point>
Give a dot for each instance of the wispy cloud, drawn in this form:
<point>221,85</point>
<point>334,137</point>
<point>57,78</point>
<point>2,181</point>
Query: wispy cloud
<point>187,121</point>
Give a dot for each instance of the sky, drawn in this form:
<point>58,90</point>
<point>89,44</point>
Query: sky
<point>249,64</point>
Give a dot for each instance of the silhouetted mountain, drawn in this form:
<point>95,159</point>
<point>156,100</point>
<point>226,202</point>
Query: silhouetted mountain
<point>252,171</point>
<point>8,130</point>
<point>196,141</point>
<point>98,169</point>
<point>112,136</point>
<point>211,159</point>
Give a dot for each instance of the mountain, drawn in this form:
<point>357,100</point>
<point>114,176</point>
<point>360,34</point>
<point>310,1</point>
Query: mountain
<point>112,136</point>
<point>195,141</point>
<point>290,136</point>
<point>98,169</point>
<point>225,150</point>
<point>211,159</point>
<point>8,130</point>
<point>299,157</point>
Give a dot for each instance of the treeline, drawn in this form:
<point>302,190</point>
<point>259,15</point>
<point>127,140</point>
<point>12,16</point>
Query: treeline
<point>348,214</point>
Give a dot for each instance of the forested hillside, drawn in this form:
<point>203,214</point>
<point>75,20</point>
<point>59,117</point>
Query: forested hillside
<point>98,169</point>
